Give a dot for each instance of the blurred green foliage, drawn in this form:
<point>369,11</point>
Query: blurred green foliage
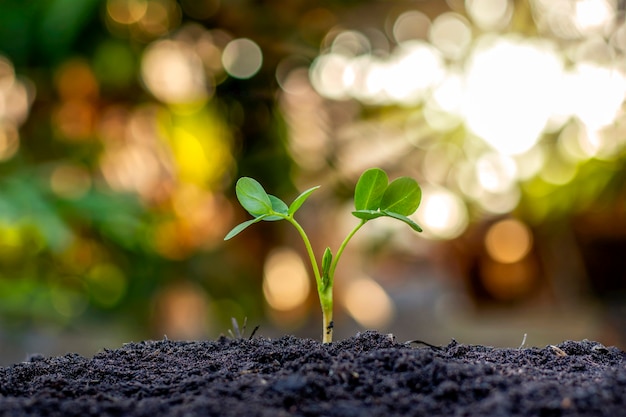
<point>115,192</point>
<point>81,246</point>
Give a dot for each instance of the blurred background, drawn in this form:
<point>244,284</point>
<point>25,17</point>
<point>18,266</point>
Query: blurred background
<point>125,123</point>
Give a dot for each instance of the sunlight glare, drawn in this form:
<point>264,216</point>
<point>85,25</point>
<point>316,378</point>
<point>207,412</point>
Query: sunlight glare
<point>510,85</point>
<point>593,14</point>
<point>599,94</point>
<point>415,67</point>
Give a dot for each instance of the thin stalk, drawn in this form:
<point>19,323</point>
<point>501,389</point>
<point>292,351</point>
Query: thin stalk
<point>327,321</point>
<point>324,289</point>
<point>309,249</point>
<point>333,264</point>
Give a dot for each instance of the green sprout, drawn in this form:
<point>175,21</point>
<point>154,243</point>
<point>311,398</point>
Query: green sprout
<point>374,197</point>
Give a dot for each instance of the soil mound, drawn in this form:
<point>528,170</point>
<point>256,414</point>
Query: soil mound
<point>369,374</point>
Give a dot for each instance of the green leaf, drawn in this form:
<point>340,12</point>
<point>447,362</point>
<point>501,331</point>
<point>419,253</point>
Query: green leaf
<point>369,189</point>
<point>405,219</point>
<point>240,227</point>
<point>253,197</point>
<point>402,196</point>
<point>278,205</point>
<point>327,260</point>
<point>297,203</point>
<point>368,214</point>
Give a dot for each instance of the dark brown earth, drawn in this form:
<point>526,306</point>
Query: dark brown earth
<point>367,375</point>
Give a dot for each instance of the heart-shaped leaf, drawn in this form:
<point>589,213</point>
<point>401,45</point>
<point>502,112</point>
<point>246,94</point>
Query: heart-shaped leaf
<point>240,227</point>
<point>297,203</point>
<point>253,197</point>
<point>369,189</point>
<point>405,219</point>
<point>402,196</point>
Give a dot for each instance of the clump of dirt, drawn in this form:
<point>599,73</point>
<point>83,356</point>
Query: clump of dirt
<point>369,374</point>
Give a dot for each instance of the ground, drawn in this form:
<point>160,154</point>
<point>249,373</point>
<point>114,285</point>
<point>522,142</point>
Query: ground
<point>370,374</point>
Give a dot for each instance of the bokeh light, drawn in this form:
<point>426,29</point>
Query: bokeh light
<point>451,34</point>
<point>411,25</point>
<point>174,73</point>
<point>127,11</point>
<point>242,58</point>
<point>143,20</point>
<point>508,241</point>
<point>490,14</point>
<point>592,15</point>
<point>496,173</point>
<point>368,303</point>
<point>70,181</point>
<point>442,214</point>
<point>286,283</point>
<point>181,311</point>
<point>16,97</point>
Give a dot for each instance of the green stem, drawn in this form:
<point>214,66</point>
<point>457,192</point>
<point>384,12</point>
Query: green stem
<point>333,265</point>
<point>309,249</point>
<point>324,284</point>
<point>327,319</point>
<point>324,287</point>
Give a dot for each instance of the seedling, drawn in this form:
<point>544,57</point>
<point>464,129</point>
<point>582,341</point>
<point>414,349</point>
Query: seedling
<point>374,197</point>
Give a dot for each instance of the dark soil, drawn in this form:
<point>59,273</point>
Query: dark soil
<point>367,375</point>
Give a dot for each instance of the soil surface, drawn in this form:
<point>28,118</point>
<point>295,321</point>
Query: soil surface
<point>369,374</point>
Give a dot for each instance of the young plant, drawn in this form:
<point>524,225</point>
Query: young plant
<point>374,197</point>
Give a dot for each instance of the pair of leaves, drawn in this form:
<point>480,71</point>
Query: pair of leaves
<point>263,206</point>
<point>375,197</point>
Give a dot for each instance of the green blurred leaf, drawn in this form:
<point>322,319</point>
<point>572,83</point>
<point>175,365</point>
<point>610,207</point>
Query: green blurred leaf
<point>119,217</point>
<point>61,24</point>
<point>114,64</point>
<point>253,197</point>
<point>297,203</point>
<point>25,202</point>
<point>369,189</point>
<point>402,196</point>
